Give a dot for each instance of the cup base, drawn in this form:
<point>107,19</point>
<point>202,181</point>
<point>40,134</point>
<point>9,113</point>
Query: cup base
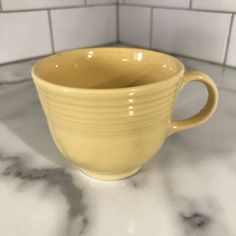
<point>101,176</point>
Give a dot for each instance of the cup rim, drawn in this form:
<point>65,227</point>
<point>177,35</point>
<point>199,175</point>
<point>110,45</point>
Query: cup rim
<point>69,89</point>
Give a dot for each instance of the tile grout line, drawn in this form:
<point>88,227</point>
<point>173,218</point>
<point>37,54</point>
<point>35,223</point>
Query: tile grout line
<point>1,9</point>
<point>190,4</point>
<point>182,55</point>
<point>179,8</point>
<point>228,39</point>
<point>24,60</point>
<point>151,28</point>
<point>117,22</point>
<point>85,2</point>
<point>51,30</point>
<point>154,6</point>
<point>45,55</point>
<point>112,4</point>
<point>59,8</point>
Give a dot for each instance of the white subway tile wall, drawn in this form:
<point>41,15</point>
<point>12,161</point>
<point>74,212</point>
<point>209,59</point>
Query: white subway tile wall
<point>134,25</point>
<point>231,58</point>
<point>95,2</point>
<point>29,28</point>
<point>217,5</point>
<point>166,3</point>
<point>201,35</point>
<point>34,4</point>
<point>24,35</point>
<point>194,28</point>
<point>83,27</point>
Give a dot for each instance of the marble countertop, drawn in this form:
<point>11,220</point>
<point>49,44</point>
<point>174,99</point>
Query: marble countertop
<point>188,188</point>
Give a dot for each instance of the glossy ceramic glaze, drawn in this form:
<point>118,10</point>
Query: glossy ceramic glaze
<point>109,109</point>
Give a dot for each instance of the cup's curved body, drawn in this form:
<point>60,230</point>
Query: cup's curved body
<point>109,109</point>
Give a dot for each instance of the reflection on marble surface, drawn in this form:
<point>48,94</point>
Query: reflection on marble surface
<point>229,78</point>
<point>213,70</point>
<point>188,188</point>
<point>16,72</point>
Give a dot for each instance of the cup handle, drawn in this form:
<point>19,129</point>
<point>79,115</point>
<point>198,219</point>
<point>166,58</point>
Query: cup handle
<point>208,109</point>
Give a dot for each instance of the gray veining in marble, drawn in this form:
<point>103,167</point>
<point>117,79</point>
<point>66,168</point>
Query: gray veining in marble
<point>54,178</point>
<point>187,189</point>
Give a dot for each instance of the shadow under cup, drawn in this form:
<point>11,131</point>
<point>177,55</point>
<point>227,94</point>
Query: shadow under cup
<point>108,109</point>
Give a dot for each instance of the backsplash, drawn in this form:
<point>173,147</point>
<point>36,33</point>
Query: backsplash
<point>33,28</point>
<point>201,29</point>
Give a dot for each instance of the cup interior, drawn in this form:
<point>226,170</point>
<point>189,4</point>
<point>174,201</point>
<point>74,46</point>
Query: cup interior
<point>107,68</point>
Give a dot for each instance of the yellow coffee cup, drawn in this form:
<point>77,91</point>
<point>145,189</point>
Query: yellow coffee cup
<point>109,109</point>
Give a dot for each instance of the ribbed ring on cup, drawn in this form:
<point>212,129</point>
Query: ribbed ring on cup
<point>121,114</point>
